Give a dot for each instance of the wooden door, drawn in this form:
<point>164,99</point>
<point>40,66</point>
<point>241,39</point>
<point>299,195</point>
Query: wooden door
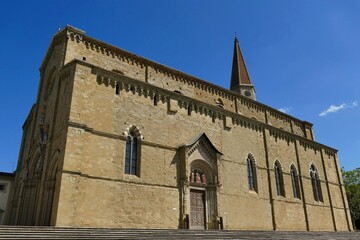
<point>197,209</point>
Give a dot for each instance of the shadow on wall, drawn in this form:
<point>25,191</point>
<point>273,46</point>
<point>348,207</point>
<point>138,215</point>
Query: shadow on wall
<point>357,224</point>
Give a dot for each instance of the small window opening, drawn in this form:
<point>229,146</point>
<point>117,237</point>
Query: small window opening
<point>84,58</point>
<point>219,103</point>
<point>189,110</point>
<point>117,89</point>
<point>155,100</point>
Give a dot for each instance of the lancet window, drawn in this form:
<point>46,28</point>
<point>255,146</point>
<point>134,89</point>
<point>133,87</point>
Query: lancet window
<point>295,182</point>
<point>280,190</point>
<point>251,172</point>
<point>316,184</point>
<point>132,161</point>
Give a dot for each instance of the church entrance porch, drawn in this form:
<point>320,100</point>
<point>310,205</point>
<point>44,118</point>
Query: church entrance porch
<point>197,209</point>
<point>199,184</point>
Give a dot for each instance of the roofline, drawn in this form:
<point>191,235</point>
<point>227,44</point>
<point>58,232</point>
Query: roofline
<point>159,65</point>
<point>28,116</point>
<point>163,67</point>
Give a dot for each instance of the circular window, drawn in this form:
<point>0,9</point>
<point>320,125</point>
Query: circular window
<point>247,93</point>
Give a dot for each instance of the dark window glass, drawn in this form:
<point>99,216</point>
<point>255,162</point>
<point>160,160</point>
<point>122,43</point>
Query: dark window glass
<point>251,174</point>
<point>128,155</point>
<point>279,180</point>
<point>316,184</point>
<point>117,89</point>
<point>295,182</point>
<point>155,100</point>
<point>131,154</point>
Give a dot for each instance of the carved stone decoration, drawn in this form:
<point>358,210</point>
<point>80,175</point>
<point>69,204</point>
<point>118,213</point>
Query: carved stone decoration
<point>197,177</point>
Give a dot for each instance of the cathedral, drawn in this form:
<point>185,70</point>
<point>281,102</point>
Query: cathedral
<point>116,140</point>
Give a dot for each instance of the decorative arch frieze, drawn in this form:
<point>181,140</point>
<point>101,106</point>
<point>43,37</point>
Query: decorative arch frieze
<point>281,134</point>
<point>112,79</point>
<point>307,144</point>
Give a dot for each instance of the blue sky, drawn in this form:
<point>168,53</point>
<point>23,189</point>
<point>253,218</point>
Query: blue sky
<point>302,56</point>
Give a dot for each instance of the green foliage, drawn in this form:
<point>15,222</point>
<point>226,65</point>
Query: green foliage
<point>352,185</point>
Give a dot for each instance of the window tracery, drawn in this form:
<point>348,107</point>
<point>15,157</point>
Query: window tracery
<point>132,153</point>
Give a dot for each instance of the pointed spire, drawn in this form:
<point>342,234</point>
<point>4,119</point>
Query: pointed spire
<point>240,80</point>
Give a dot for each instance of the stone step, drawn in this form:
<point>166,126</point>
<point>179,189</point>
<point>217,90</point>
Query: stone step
<point>24,232</point>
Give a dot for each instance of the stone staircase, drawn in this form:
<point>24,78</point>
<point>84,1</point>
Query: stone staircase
<point>21,232</point>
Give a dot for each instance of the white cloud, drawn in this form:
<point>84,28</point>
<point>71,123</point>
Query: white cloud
<point>334,108</point>
<point>285,109</point>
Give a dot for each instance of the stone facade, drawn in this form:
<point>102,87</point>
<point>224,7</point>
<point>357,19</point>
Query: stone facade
<point>100,107</point>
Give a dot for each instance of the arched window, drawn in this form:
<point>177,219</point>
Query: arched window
<point>280,190</point>
<point>251,172</point>
<point>295,182</point>
<point>316,184</point>
<point>132,154</point>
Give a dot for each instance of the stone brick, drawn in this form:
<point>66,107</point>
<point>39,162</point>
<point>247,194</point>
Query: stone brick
<point>191,136</point>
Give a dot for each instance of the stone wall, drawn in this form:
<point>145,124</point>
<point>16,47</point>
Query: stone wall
<point>92,94</point>
<point>100,54</point>
<point>96,148</point>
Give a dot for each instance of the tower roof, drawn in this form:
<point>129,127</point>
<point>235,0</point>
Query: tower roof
<point>239,74</point>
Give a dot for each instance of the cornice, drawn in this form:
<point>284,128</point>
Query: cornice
<point>109,78</point>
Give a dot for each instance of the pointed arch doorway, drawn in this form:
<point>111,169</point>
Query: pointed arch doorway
<point>200,184</point>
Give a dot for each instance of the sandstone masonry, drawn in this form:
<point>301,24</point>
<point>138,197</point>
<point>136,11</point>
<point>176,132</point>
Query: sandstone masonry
<point>116,140</point>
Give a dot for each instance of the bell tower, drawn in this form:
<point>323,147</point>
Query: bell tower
<point>240,80</point>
